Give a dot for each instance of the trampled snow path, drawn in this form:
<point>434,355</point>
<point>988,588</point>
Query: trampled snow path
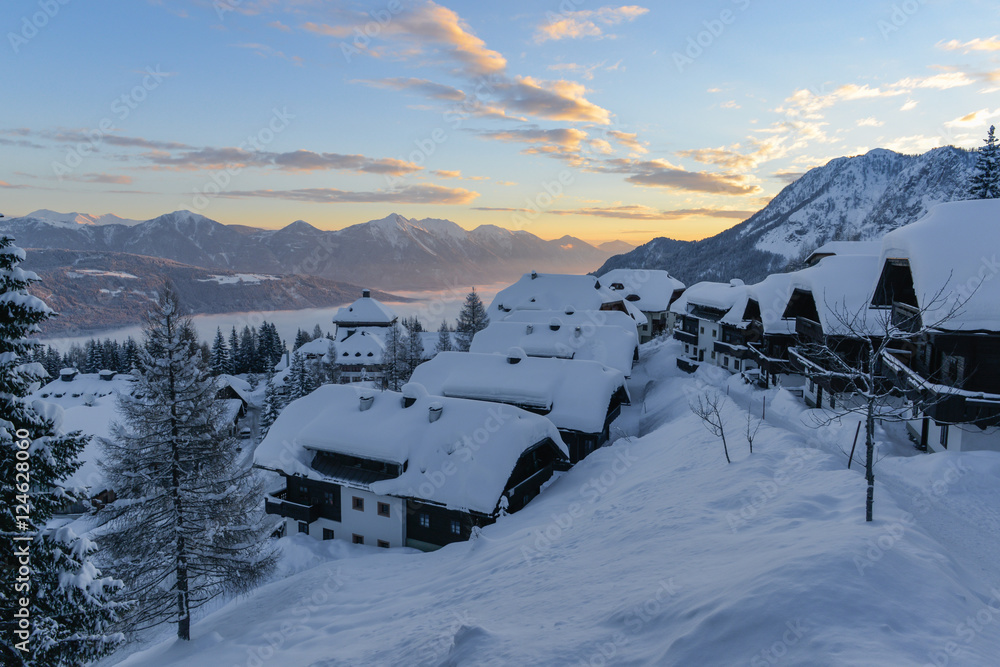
<point>655,551</point>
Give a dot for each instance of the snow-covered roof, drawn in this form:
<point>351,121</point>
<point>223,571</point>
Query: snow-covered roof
<point>330,419</point>
<point>843,248</point>
<point>572,317</point>
<point>365,310</point>
<point>553,291</point>
<point>571,338</point>
<point>84,387</point>
<point>575,393</point>
<point>239,385</point>
<point>717,296</point>
<point>362,347</point>
<point>231,409</point>
<point>650,289</point>
<point>951,253</point>
<point>842,287</point>
<point>771,295</point>
<point>319,347</point>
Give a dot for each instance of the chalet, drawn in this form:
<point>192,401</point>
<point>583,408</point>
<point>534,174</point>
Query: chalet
<point>652,291</point>
<point>935,279</point>
<point>557,291</point>
<point>360,339</point>
<point>707,339</point>
<point>232,388</point>
<point>317,350</point>
<point>830,303</point>
<point>403,469</point>
<point>582,398</point>
<point>566,335</point>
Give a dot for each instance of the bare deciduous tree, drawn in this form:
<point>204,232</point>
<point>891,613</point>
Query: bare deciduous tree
<point>708,407</point>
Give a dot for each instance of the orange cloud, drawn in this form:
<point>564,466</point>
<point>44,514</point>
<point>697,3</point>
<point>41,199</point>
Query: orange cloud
<point>584,23</point>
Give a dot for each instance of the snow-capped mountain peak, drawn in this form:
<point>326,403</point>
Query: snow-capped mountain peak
<point>73,219</point>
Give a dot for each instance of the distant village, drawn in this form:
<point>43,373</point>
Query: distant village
<point>391,436</point>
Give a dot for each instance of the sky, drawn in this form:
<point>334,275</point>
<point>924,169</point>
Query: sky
<point>604,121</point>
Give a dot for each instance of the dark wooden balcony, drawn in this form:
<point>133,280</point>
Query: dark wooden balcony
<point>685,336</point>
<point>276,503</point>
<point>810,330</point>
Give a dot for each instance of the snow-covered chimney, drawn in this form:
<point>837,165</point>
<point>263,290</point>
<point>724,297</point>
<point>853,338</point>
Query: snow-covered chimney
<point>736,282</point>
<point>434,411</point>
<point>366,294</point>
<point>366,399</point>
<point>577,331</point>
<point>529,329</point>
<point>534,274</point>
<point>411,392</point>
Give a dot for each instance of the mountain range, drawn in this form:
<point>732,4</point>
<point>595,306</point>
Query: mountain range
<point>95,291</point>
<point>849,198</point>
<point>394,253</point>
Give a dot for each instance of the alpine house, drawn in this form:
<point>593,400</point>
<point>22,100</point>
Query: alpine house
<point>557,291</point>
<point>393,469</point>
<point>652,291</point>
<point>582,398</point>
<point>938,280</point>
<point>700,310</point>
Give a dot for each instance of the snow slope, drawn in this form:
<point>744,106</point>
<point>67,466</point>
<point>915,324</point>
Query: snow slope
<point>655,551</point>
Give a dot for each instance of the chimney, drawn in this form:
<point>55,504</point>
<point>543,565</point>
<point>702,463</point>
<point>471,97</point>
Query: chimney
<point>366,294</point>
<point>68,374</point>
<point>534,274</point>
<point>366,399</point>
<point>434,411</point>
<point>411,392</point>
<point>529,329</point>
<point>576,331</point>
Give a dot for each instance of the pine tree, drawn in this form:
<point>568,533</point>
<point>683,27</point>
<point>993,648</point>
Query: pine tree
<point>220,354</point>
<point>187,525</point>
<point>131,349</point>
<point>414,351</point>
<point>244,361</point>
<point>71,606</point>
<point>297,379</point>
<point>985,181</point>
<point>317,332</point>
<point>273,404</point>
<point>394,362</point>
<point>444,338</point>
<point>301,338</point>
<point>471,319</point>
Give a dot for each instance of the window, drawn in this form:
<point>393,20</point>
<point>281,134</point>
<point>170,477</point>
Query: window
<point>329,499</point>
<point>714,333</point>
<point>703,329</point>
<point>358,539</point>
<point>383,509</point>
<point>687,349</point>
<point>425,520</point>
<point>303,527</point>
<point>327,534</point>
<point>812,386</point>
<point>358,503</point>
<point>303,491</point>
<point>456,527</point>
<point>383,544</point>
<point>725,361</point>
<point>736,364</point>
<point>944,436</point>
<point>713,354</point>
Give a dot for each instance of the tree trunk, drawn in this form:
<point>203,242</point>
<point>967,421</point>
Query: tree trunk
<point>725,447</point>
<point>183,608</point>
<point>869,464</point>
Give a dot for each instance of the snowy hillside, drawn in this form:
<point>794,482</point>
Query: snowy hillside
<point>855,198</point>
<point>655,551</point>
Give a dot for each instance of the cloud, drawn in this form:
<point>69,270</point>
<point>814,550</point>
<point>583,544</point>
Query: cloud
<point>437,91</point>
<point>662,174</point>
<point>808,104</point>
<point>278,25</point>
<point>413,194</point>
<point>974,119</point>
<point>585,23</point>
<point>642,212</point>
<point>560,140</point>
<point>908,104</point>
<point>553,100</point>
<point>723,157</point>
<point>500,209</point>
<point>112,179</point>
<point>628,139</point>
<point>293,161</point>
<point>913,145</point>
<point>447,174</point>
<point>788,176</point>
<point>338,31</point>
<point>988,44</point>
<point>871,121</point>
<point>731,104</point>
<point>5,184</point>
